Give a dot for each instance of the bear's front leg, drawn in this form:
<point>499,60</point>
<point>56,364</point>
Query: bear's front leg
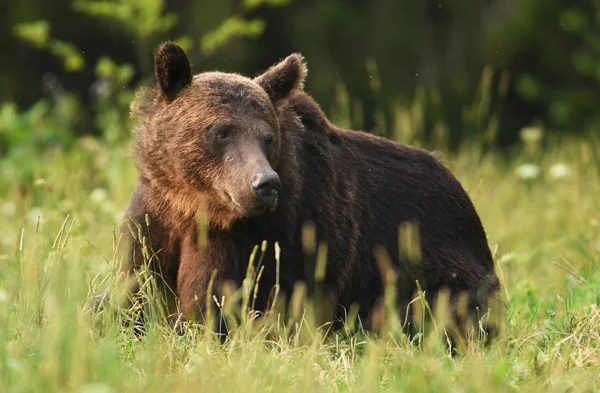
<point>202,272</point>
<point>145,242</point>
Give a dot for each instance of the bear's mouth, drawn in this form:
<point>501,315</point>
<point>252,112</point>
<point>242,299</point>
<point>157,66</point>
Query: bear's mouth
<point>261,208</point>
<point>274,204</point>
<point>256,210</point>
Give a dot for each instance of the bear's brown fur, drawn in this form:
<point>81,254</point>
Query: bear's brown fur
<point>207,140</point>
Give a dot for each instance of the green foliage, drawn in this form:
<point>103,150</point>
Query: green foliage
<point>236,26</point>
<point>231,27</point>
<point>38,34</point>
<point>41,125</point>
<point>252,4</point>
<point>24,136</point>
<point>565,76</point>
<point>139,19</point>
<point>113,99</point>
<point>545,53</point>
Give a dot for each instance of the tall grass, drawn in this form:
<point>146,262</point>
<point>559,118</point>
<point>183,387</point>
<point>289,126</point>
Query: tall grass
<point>57,247</point>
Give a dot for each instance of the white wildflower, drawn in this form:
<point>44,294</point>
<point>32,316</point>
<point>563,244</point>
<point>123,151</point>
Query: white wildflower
<point>528,171</point>
<point>98,195</point>
<point>3,296</point>
<point>559,170</point>
<point>13,364</point>
<point>34,214</point>
<point>8,209</point>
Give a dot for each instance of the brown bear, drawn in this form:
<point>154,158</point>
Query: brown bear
<point>257,159</point>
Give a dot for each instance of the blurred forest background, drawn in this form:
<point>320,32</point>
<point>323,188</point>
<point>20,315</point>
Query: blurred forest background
<point>458,71</point>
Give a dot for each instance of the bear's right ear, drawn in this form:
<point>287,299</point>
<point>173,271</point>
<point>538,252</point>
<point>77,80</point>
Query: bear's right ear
<point>279,80</point>
<point>172,69</point>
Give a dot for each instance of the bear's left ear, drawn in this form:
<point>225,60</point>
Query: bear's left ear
<point>279,80</point>
<point>172,68</point>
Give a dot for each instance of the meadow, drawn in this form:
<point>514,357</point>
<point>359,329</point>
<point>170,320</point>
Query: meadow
<point>60,211</point>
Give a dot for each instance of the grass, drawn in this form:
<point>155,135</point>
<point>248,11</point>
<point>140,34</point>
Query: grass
<point>544,232</point>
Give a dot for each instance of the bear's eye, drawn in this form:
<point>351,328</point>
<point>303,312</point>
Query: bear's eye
<point>269,141</point>
<point>223,131</point>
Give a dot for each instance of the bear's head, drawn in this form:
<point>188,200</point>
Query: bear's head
<point>212,141</point>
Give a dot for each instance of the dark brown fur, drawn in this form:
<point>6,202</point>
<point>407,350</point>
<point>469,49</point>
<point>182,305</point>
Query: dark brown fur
<point>356,188</point>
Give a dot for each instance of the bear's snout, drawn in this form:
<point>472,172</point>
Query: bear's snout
<point>266,186</point>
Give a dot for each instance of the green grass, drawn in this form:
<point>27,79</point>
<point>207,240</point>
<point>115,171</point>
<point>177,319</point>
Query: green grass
<point>544,232</point>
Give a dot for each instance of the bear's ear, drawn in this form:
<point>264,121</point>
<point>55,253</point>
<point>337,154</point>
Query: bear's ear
<point>172,68</point>
<point>279,80</point>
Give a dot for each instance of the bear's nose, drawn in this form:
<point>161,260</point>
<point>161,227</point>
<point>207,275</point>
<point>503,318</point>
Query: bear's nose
<point>266,187</point>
